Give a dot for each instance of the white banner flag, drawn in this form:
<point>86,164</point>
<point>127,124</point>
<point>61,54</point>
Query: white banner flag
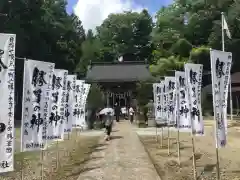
<point>86,89</point>
<point>165,103</point>
<point>55,129</point>
<point>82,102</point>
<point>7,75</point>
<point>158,92</point>
<point>155,100</point>
<point>193,74</point>
<point>182,104</point>
<point>70,103</point>
<point>170,85</point>
<point>35,104</point>
<point>155,97</point>
<point>220,70</point>
<point>78,111</point>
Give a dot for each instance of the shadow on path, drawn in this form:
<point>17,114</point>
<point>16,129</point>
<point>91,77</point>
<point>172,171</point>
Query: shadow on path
<point>116,137</point>
<point>86,160</point>
<point>83,170</point>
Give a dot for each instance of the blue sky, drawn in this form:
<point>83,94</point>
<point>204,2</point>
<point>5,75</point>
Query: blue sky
<point>93,12</point>
<point>152,5</point>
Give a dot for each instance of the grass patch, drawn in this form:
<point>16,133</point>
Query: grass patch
<point>72,154</point>
<point>167,165</point>
<point>74,163</point>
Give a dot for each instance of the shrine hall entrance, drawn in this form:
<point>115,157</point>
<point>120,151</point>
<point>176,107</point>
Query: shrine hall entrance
<point>123,99</point>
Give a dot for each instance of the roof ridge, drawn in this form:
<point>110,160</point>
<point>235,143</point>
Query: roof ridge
<point>119,63</point>
<point>120,71</point>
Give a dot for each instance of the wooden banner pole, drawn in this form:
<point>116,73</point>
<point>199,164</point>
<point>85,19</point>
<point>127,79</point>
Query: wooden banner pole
<point>217,153</point>
<point>168,140</point>
<point>22,168</point>
<point>217,165</point>
<point>57,158</point>
<point>178,146</point>
<point>46,153</point>
<point>194,158</point>
<point>216,141</point>
<point>68,135</point>
<point>76,135</point>
<point>156,134</point>
<point>42,158</point>
<point>162,138</point>
<point>68,138</point>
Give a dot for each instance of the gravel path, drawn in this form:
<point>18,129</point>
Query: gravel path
<point>122,158</point>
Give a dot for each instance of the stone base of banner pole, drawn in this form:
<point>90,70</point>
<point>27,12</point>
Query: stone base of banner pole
<point>151,122</point>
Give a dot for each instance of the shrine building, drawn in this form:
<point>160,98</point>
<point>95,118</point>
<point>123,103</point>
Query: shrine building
<point>118,79</point>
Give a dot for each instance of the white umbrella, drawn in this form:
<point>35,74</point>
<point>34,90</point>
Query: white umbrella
<point>105,111</point>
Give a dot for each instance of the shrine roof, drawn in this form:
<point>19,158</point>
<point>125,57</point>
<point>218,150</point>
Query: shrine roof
<point>118,72</point>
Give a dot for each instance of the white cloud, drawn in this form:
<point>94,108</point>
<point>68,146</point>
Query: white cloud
<point>154,17</point>
<point>93,12</point>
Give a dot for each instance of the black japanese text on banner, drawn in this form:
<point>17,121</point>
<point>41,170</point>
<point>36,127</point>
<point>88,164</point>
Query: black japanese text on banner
<point>78,112</point>
<point>158,102</point>
<point>35,104</point>
<point>82,106</point>
<point>182,104</point>
<point>193,74</point>
<point>85,93</point>
<point>7,75</point>
<point>220,70</point>
<point>70,103</point>
<point>165,103</point>
<point>56,121</point>
<point>82,102</point>
<point>170,86</point>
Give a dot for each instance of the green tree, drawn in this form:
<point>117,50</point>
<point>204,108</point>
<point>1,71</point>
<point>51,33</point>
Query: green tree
<point>44,31</point>
<point>166,66</point>
<point>126,33</point>
<point>95,101</point>
<point>182,48</point>
<point>201,55</point>
<point>144,92</point>
<point>57,34</point>
<point>203,28</point>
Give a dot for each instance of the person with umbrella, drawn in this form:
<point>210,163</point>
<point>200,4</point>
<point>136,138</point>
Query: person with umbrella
<point>109,113</point>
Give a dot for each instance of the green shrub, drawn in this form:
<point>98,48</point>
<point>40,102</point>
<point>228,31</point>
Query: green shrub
<point>95,101</point>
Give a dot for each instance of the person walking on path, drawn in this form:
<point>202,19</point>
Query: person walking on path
<point>124,158</point>
<point>109,124</point>
<point>117,112</point>
<point>124,112</point>
<point>131,113</point>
